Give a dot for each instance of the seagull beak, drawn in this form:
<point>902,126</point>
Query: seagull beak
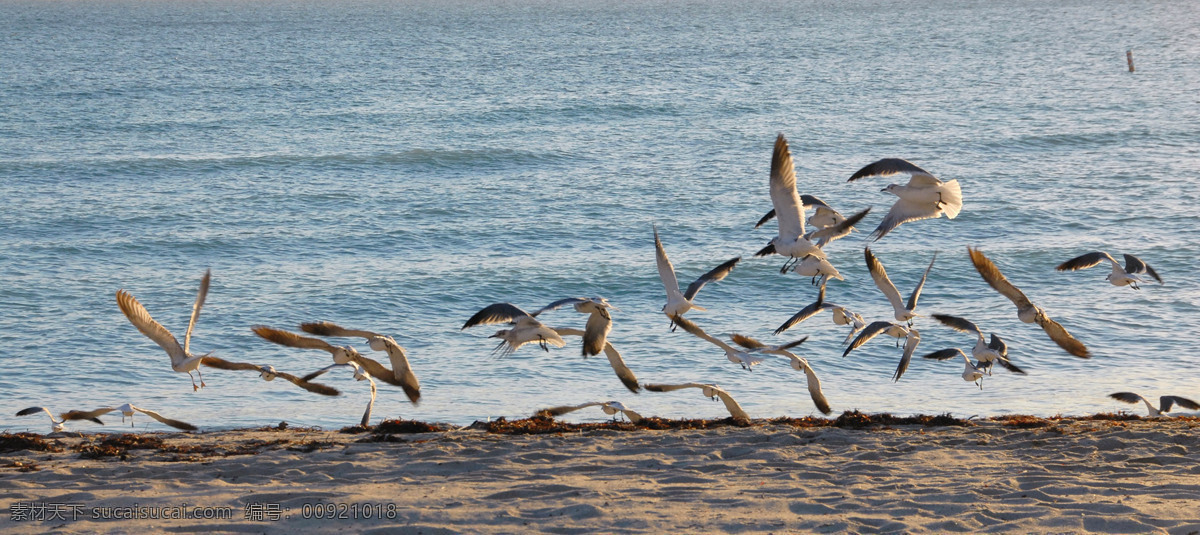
<point>884,189</point>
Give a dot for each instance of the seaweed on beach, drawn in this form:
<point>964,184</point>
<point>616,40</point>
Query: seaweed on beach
<point>858,420</point>
<point>26,442</point>
<point>1113,416</point>
<point>542,425</point>
<point>406,427</point>
<point>118,446</point>
<point>1022,421</point>
<point>311,446</point>
<point>24,466</point>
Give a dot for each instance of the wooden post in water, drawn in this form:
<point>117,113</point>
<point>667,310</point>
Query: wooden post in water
<point>1129,59</point>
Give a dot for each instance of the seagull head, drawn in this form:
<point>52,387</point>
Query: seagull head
<point>709,391</point>
<point>267,373</point>
<point>344,354</point>
<point>378,343</point>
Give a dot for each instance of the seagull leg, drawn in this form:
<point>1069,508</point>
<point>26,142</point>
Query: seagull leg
<point>201,376</point>
<point>542,342</point>
<point>194,387</point>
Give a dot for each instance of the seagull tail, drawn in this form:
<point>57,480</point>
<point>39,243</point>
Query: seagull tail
<point>951,199</point>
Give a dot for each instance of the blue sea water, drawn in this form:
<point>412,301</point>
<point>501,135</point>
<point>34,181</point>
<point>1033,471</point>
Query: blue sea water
<point>398,165</point>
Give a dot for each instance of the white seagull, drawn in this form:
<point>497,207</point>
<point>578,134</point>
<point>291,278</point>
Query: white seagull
<point>599,322</point>
<point>614,359</point>
<point>360,374</point>
<point>680,302</point>
<point>841,316</point>
<point>923,197</point>
<point>182,360</point>
<point>971,372</point>
<point>268,373</point>
<point>790,241</point>
<point>1127,276</point>
<point>987,353</point>
<point>736,356</point>
<point>798,363</point>
<point>126,410</point>
<point>903,312</point>
<point>911,339</point>
<point>59,424</point>
<point>1027,312</point>
<point>400,375</point>
<point>818,268</point>
<point>610,408</point>
<point>1164,402</point>
<point>526,328</point>
<point>709,390</point>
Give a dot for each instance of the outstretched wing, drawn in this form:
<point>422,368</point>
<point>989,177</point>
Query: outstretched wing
<point>1085,261</point>
<point>496,313</point>
<point>807,312</point>
<point>882,281</point>
<point>869,332</point>
<point>783,191</point>
<point>910,345</point>
<point>328,328</point>
<point>289,339</point>
<point>200,297</point>
<point>891,166</point>
<point>916,293</point>
<point>713,275</point>
<point>173,423</point>
<point>140,318</point>
<point>1060,336</point>
<point>957,323</point>
<point>1134,264</point>
<point>991,274</point>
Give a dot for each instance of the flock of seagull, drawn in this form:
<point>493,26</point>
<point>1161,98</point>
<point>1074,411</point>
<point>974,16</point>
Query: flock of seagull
<point>923,197</point>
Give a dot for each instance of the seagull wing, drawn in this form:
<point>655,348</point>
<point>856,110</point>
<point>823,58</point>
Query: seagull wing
<point>496,313</point>
<point>200,296</point>
<point>770,215</point>
<point>1127,397</point>
<point>788,209</point>
<point>558,304</point>
<point>883,282</point>
<point>998,345</point>
<point>713,275</point>
<point>285,338</point>
<point>904,211</point>
<point>1008,365</point>
<point>564,409</point>
<point>910,345</point>
<point>698,332</point>
<point>891,166</point>
<point>153,330</point>
<point>316,388</point>
<point>366,419</point>
<point>595,333</point>
<point>320,372</point>
<point>1170,401</point>
<point>869,332</point>
<point>807,312</point>
<point>623,372</point>
<point>1060,336</point>
<point>945,354</point>
<point>814,384</point>
<point>173,423</point>
<point>746,341</point>
<point>1134,264</point>
<point>957,323</point>
<point>328,328</point>
<point>916,293</point>
<point>735,410</point>
<point>402,372</point>
<point>666,271</point>
<point>991,274</point>
<point>1085,261</point>
<point>220,363</point>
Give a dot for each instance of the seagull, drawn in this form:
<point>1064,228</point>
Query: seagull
<point>1127,276</point>
<point>614,359</point>
<point>1027,312</point>
<point>903,312</point>
<point>678,303</point>
<point>268,373</point>
<point>59,424</point>
<point>360,374</point>
<point>791,241</point>
<point>709,390</point>
<point>1164,402</point>
<point>924,196</point>
<point>798,363</point>
<point>985,352</point>
<point>610,408</point>
<point>182,359</point>
<point>911,339</point>
<point>818,268</point>
<point>599,322</point>
<point>971,372</point>
<point>525,329</point>
<point>400,375</point>
<point>126,410</point>
<point>734,355</point>
<point>341,354</point>
<point>841,316</point>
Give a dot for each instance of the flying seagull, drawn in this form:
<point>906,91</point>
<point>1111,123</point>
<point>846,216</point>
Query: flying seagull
<point>58,424</point>
<point>677,302</point>
<point>526,328</point>
<point>126,410</point>
<point>610,408</point>
<point>923,197</point>
<point>182,360</point>
<point>1164,402</point>
<point>985,352</point>
<point>1027,312</point>
<point>790,241</point>
<point>709,390</point>
<point>268,373</point>
<point>614,359</point>
<point>911,339</point>
<point>360,374</point>
<point>736,356</point>
<point>841,316</point>
<point>341,354</point>
<point>798,363</point>
<point>903,312</point>
<point>818,268</point>
<point>599,322</point>
<point>971,372</point>
<point>400,375</point>
<point>1127,276</point>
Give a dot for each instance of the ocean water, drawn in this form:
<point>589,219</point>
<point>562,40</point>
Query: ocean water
<point>396,166</point>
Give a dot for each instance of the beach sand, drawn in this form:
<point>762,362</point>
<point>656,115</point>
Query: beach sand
<point>1022,474</point>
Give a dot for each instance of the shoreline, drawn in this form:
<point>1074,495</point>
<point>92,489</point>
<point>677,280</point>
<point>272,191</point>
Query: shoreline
<point>1101,473</point>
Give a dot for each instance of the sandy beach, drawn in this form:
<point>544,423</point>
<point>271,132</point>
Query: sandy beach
<point>1014,475</point>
